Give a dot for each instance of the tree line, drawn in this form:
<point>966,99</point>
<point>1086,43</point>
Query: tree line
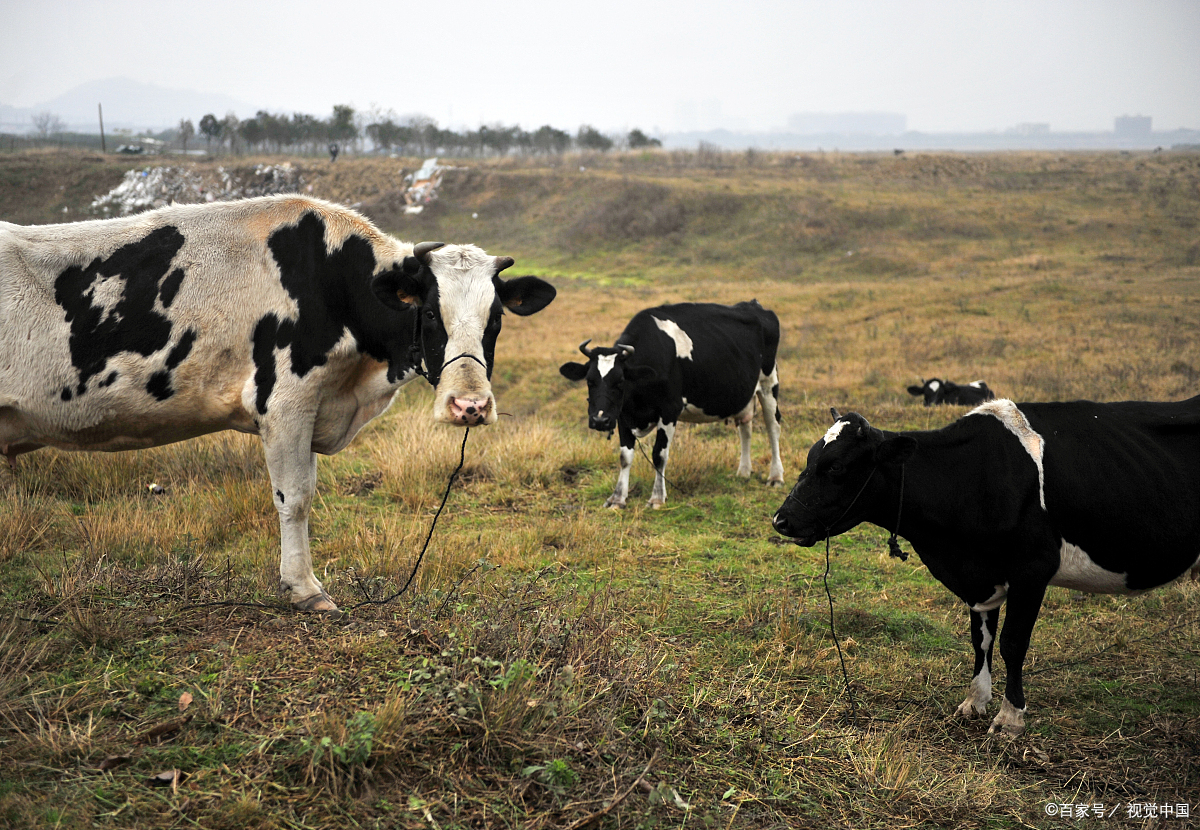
<point>385,132</point>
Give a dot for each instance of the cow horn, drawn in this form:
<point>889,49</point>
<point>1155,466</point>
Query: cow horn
<point>583,348</point>
<point>625,348</point>
<point>833,411</point>
<point>503,262</point>
<point>424,249</point>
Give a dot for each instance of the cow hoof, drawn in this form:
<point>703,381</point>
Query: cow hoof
<point>775,482</point>
<point>1010,722</point>
<point>320,603</point>
<point>1007,730</point>
<point>969,710</point>
<point>612,504</point>
<point>655,505</point>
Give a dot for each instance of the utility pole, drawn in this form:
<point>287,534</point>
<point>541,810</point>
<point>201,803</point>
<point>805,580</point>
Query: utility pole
<point>100,109</point>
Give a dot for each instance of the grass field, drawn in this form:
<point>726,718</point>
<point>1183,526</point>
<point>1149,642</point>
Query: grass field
<point>560,665</point>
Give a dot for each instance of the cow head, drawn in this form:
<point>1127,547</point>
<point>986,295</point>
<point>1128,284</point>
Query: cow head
<point>931,389</point>
<point>841,483</point>
<point>459,298</point>
<point>609,376</point>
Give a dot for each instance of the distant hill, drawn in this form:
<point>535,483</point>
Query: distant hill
<point>130,105</point>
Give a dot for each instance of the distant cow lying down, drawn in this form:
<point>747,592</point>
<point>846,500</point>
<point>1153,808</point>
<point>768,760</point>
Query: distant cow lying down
<point>1012,498</point>
<point>946,391</point>
<point>285,317</point>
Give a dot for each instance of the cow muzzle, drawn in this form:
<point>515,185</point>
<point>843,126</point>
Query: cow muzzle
<point>470,411</point>
<point>603,423</point>
<point>785,528</point>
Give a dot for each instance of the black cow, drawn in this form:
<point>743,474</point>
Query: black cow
<point>693,362</point>
<point>947,391</point>
<point>1098,497</point>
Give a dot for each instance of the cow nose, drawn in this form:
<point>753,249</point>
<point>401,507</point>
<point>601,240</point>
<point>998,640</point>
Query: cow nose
<point>469,411</point>
<point>780,524</point>
<point>602,424</point>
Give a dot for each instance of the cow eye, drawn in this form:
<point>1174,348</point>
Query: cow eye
<point>429,315</point>
<point>837,467</point>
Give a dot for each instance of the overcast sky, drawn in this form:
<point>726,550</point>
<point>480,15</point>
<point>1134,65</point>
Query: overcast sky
<point>948,65</point>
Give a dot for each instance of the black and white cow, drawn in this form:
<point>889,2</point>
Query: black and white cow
<point>946,391</point>
<point>692,362</point>
<point>286,317</point>
<point>1011,498</point>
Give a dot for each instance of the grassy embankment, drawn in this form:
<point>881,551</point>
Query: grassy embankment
<point>551,650</point>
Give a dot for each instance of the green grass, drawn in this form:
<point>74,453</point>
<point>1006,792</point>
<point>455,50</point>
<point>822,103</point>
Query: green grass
<point>554,657</point>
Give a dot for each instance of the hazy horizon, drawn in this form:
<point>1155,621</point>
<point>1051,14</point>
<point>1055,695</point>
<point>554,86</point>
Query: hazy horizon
<point>944,66</point>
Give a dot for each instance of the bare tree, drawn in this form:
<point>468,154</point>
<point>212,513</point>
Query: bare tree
<point>186,131</point>
<point>229,131</point>
<point>47,124</point>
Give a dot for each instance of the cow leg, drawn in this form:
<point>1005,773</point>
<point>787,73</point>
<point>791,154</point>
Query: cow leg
<point>662,449</point>
<point>983,635</point>
<point>8,478</point>
<point>293,468</point>
<point>744,434</point>
<point>1023,604</point>
<point>619,493</point>
<point>768,401</point>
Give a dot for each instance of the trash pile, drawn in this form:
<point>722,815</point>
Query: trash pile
<point>155,187</point>
<point>423,186</point>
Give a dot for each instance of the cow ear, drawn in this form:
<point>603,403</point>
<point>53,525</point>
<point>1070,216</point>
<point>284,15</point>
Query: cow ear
<point>573,371</point>
<point>640,373</point>
<point>896,450</point>
<point>916,390</point>
<point>836,416</point>
<point>398,288</point>
<point>524,295</point>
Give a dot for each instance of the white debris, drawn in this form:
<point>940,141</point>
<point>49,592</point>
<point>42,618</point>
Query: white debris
<point>423,185</point>
<point>158,186</point>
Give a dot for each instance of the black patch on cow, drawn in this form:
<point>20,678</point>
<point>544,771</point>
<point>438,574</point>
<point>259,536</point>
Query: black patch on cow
<point>132,324</point>
<point>323,285</point>
<point>111,379</point>
<point>333,293</point>
<point>268,336</point>
<point>169,287</point>
<point>65,394</point>
<point>775,395</point>
<point>159,384</point>
<point>279,495</point>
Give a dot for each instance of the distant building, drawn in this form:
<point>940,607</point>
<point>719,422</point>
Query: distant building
<point>1132,125</point>
<point>1030,129</point>
<point>848,123</point>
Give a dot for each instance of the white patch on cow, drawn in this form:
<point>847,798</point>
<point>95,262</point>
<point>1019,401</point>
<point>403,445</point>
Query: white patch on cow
<point>986,642</point>
<point>642,432</point>
<point>995,601</point>
<point>683,343</point>
<point>605,364</point>
<point>1015,421</point>
<point>834,431</point>
<point>978,384</point>
<point>106,292</point>
<point>1077,570</point>
<point>934,386</point>
<point>693,414</point>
